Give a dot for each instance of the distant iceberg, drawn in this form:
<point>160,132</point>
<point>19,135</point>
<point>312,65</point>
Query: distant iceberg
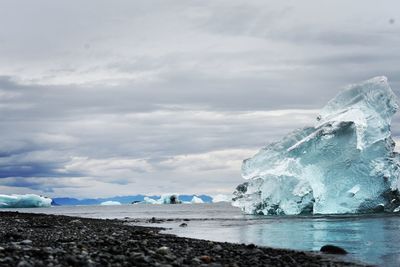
<point>110,203</point>
<point>344,164</point>
<point>172,199</point>
<point>196,200</point>
<point>24,201</point>
<point>164,199</point>
<point>148,200</point>
<point>221,198</point>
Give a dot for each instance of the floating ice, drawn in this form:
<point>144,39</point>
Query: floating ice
<point>164,199</point>
<point>148,200</point>
<point>344,164</point>
<point>110,203</point>
<point>196,200</point>
<point>221,198</point>
<point>24,201</point>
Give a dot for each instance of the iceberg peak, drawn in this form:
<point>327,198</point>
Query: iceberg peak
<point>370,105</point>
<point>344,164</point>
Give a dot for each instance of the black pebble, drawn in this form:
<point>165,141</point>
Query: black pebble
<point>251,246</point>
<point>331,249</point>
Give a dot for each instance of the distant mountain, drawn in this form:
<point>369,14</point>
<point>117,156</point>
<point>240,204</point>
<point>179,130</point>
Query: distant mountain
<point>67,201</point>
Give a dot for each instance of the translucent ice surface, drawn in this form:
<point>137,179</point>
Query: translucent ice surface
<point>344,164</point>
<point>24,201</point>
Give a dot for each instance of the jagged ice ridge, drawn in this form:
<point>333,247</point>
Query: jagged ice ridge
<point>344,164</point>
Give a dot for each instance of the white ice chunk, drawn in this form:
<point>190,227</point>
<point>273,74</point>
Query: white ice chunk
<point>110,203</point>
<point>24,201</point>
<point>148,200</point>
<point>344,164</point>
<point>196,200</point>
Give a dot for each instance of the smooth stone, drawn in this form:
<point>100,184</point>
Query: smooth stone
<point>163,250</point>
<point>26,242</point>
<point>331,249</point>
<point>206,259</point>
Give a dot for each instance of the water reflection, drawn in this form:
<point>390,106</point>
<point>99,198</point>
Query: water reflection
<point>375,240</point>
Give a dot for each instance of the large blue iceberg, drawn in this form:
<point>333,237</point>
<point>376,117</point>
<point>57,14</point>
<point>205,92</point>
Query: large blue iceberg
<point>344,164</point>
<point>24,201</point>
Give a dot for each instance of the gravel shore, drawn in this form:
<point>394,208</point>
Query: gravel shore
<point>50,240</point>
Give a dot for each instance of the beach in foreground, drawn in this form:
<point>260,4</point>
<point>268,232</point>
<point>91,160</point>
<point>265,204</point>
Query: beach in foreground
<point>55,240</point>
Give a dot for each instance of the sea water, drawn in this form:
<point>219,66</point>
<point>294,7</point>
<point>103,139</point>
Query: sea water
<point>373,239</point>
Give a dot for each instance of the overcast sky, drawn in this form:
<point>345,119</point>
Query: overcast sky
<point>103,98</point>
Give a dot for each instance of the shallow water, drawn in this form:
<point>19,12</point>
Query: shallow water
<point>373,239</point>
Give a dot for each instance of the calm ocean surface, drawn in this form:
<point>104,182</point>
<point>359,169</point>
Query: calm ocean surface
<point>373,239</point>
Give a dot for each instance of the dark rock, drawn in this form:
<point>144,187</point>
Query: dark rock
<point>206,259</point>
<point>183,225</point>
<point>173,199</point>
<point>13,236</point>
<point>332,249</point>
<point>24,264</point>
<point>251,246</point>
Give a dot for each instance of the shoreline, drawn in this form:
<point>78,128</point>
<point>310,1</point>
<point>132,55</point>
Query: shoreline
<point>31,239</point>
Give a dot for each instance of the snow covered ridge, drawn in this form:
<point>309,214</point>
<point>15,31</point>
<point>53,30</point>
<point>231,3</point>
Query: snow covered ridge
<point>24,201</point>
<point>344,164</point>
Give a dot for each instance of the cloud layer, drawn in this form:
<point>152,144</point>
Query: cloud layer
<point>101,98</point>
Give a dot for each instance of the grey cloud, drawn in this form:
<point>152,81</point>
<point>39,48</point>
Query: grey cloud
<point>335,38</point>
<point>154,96</point>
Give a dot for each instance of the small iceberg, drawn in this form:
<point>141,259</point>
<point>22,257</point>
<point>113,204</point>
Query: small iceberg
<point>148,200</point>
<point>110,203</point>
<point>345,163</point>
<point>24,201</point>
<point>164,199</point>
<point>196,200</point>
